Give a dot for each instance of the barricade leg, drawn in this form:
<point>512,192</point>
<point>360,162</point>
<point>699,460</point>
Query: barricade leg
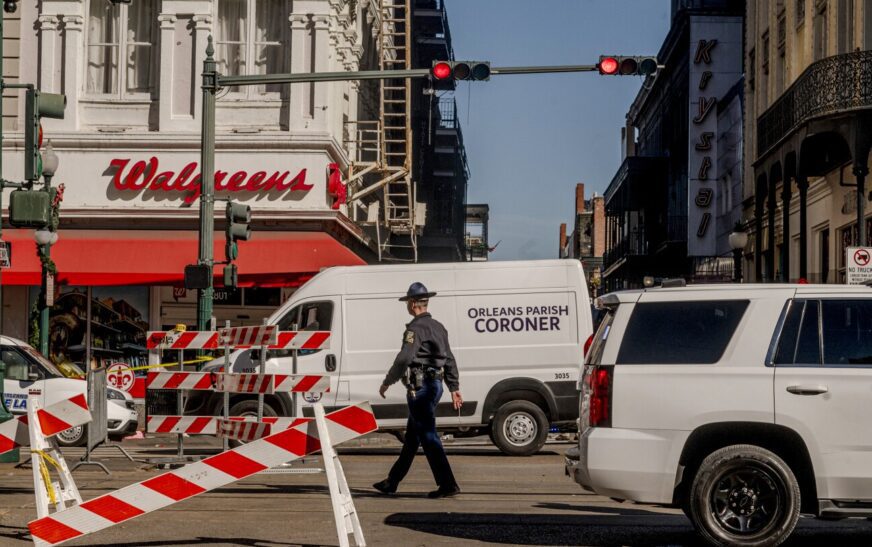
<point>344,512</point>
<point>45,453</point>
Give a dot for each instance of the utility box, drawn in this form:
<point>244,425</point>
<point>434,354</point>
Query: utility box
<point>30,209</point>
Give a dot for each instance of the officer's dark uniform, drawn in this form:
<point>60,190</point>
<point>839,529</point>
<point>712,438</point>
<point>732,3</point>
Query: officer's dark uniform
<point>425,359</point>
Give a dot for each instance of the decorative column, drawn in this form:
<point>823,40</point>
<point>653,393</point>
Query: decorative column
<point>802,186</point>
<point>759,201</point>
<point>74,65</point>
<point>785,230</point>
<point>770,239</point>
<point>300,105</point>
<point>323,96</point>
<point>167,23</point>
<point>49,72</point>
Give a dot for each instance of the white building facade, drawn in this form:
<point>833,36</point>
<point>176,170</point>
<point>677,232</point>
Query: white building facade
<point>129,147</point>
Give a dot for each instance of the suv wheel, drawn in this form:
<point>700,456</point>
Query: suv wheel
<point>744,495</point>
<point>520,428</point>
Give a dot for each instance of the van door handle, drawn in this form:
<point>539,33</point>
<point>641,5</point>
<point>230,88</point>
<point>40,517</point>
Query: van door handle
<point>330,363</point>
<point>807,390</point>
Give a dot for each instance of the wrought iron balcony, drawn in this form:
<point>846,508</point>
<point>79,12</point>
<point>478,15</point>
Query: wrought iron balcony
<point>634,243</point>
<point>835,85</point>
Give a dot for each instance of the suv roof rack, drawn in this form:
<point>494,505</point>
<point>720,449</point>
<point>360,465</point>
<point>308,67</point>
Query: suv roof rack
<point>670,283</point>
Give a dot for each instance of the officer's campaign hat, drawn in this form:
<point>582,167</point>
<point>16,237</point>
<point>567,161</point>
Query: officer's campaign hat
<point>417,291</point>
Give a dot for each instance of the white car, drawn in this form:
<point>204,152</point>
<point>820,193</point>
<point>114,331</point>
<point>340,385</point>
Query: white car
<point>27,369</point>
<point>745,405</point>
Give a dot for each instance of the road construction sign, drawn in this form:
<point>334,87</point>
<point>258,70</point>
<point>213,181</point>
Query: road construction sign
<point>858,265</point>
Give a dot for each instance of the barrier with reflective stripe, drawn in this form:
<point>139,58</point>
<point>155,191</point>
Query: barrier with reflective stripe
<point>54,419</point>
<point>214,472</point>
<point>308,340</point>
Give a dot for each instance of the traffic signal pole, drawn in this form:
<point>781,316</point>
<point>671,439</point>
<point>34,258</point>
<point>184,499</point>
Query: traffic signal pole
<point>207,184</point>
<point>212,82</point>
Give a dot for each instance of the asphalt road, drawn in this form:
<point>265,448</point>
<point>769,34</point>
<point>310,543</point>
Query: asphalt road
<point>526,501</point>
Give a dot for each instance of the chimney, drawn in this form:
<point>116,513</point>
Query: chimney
<point>562,240</point>
<point>579,198</point>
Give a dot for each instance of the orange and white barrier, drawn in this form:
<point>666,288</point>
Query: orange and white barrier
<point>208,425</point>
<point>240,339</point>
<point>306,437</point>
<point>271,383</point>
<point>52,420</point>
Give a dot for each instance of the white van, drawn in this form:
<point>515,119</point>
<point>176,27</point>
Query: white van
<point>27,369</point>
<point>517,330</point>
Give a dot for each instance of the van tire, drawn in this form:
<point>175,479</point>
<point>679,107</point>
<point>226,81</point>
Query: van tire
<point>519,428</point>
<point>764,479</point>
<point>74,436</point>
<point>248,407</point>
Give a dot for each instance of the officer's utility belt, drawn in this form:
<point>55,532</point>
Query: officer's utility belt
<point>417,374</point>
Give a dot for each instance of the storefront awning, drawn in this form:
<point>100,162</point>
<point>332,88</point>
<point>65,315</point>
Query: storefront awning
<point>149,257</point>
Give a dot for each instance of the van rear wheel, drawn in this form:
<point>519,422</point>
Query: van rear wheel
<point>520,428</point>
<point>249,408</point>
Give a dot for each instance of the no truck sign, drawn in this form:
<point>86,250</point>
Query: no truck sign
<point>858,261</point>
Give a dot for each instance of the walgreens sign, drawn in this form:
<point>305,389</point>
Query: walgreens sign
<point>146,176</point>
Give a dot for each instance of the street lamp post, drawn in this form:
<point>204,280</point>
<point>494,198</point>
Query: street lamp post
<point>45,238</point>
<point>738,240</point>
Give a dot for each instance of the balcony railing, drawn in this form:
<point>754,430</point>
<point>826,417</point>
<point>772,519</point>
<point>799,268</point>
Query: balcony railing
<point>633,243</point>
<point>448,119</point>
<point>842,83</point>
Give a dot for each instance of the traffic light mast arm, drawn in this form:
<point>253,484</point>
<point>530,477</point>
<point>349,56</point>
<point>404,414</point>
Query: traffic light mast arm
<point>228,81</point>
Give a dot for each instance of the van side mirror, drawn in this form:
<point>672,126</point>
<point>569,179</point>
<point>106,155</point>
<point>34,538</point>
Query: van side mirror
<point>32,376</point>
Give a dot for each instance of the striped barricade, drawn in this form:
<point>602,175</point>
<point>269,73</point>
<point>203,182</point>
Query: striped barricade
<point>208,425</point>
<point>244,430</point>
<point>53,419</point>
<point>249,383</point>
<point>264,335</point>
<point>272,339</point>
<point>208,474</point>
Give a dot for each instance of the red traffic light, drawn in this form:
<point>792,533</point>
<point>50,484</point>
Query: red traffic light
<point>441,70</point>
<point>608,65</point>
<point>39,138</point>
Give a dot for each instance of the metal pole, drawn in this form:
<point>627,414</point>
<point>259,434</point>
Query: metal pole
<point>45,251</point>
<point>207,184</point>
<point>180,408</point>
<point>860,172</point>
<point>12,456</point>
<point>262,371</point>
<point>737,265</point>
<point>226,401</point>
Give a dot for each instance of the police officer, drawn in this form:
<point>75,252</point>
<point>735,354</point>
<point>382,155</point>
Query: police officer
<point>424,361</point>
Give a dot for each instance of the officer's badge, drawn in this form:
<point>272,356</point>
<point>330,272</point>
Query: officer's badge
<point>410,337</point>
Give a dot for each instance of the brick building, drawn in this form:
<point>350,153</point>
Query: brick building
<point>587,242</point>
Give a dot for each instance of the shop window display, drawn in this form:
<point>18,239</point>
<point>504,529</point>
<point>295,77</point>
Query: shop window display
<point>118,327</point>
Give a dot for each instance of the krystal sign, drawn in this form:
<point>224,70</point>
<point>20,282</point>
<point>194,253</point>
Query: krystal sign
<point>146,176</point>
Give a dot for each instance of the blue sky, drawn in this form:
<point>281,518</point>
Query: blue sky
<point>531,138</point>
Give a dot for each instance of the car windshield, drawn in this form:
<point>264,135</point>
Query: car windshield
<point>51,371</point>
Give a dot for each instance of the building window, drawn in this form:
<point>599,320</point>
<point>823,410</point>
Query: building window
<point>867,26</point>
<point>820,31</point>
<point>253,38</point>
<point>121,48</point>
<point>846,26</point>
<point>800,12</point>
<point>781,58</point>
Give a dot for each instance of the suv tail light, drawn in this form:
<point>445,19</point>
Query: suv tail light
<point>598,396</point>
<point>587,345</point>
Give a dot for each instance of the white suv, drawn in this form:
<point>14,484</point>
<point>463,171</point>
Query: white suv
<point>745,405</point>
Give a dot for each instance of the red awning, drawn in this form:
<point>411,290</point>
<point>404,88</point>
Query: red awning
<point>147,257</point>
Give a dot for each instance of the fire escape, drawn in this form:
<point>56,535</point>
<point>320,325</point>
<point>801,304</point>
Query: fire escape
<point>380,175</point>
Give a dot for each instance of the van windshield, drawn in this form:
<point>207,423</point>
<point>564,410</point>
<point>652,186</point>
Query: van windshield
<point>595,354</point>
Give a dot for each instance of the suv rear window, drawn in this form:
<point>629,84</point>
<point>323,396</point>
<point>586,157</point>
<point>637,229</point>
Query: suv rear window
<point>680,333</point>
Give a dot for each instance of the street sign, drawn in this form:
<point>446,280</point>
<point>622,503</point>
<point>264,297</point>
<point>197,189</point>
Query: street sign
<point>5,257</point>
<point>119,376</point>
<point>49,290</point>
<point>858,261</point>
